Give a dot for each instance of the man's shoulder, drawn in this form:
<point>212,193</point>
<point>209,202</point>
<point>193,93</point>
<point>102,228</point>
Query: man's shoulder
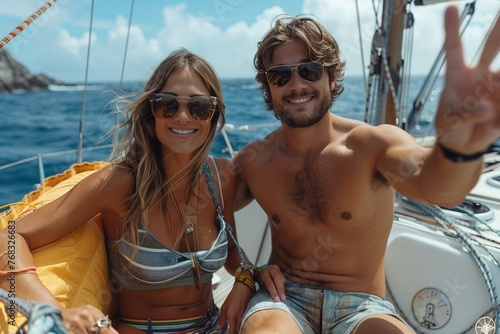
<point>224,164</point>
<point>361,130</point>
<point>258,148</point>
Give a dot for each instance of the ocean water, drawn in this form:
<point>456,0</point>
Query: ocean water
<point>47,121</point>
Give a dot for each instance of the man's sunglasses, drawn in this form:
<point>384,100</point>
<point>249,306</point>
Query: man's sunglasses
<point>200,108</point>
<point>279,75</point>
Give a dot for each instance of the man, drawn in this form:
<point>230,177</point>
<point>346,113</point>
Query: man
<point>327,183</point>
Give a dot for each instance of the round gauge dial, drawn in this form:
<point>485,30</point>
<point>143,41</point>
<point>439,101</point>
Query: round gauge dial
<point>431,308</point>
<point>485,325</point>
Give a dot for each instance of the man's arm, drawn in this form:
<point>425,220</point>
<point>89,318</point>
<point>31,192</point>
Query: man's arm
<point>424,174</point>
<point>467,122</point>
<point>243,195</point>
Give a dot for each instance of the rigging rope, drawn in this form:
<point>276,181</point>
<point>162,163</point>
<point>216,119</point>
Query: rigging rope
<point>82,118</point>
<point>126,43</point>
<point>374,67</point>
<point>117,118</point>
<point>380,69</point>
<point>404,83</point>
<point>42,318</point>
<point>26,23</point>
<point>375,10</point>
<point>484,39</point>
<point>430,80</point>
<point>390,81</point>
<point>361,48</point>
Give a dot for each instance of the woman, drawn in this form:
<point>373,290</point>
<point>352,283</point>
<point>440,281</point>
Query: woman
<point>164,193</point>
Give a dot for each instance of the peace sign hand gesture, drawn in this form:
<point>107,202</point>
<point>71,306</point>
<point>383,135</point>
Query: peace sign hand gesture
<point>468,117</point>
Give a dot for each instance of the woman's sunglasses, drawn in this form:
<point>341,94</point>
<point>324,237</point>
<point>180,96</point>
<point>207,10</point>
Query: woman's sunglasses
<point>279,75</point>
<point>200,108</point>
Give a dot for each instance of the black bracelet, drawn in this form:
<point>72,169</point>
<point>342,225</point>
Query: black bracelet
<point>459,157</point>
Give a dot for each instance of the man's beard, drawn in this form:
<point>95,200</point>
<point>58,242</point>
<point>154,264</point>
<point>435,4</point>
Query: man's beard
<point>294,120</point>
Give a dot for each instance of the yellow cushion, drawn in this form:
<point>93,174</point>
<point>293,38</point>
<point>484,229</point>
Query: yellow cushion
<point>74,268</point>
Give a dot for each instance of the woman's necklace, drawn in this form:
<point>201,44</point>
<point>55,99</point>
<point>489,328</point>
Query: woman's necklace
<point>190,232</point>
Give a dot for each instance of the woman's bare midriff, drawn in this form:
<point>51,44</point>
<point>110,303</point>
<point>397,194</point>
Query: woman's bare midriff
<point>166,304</point>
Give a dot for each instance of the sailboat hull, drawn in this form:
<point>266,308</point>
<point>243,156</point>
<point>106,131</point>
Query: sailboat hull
<point>422,259</point>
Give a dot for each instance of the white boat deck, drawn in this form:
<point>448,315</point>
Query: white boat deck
<point>254,238</point>
<point>222,285</point>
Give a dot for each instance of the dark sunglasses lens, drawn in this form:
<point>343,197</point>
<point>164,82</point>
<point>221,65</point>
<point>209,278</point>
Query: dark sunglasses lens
<point>311,72</point>
<point>278,76</point>
<point>165,106</point>
<point>201,108</point>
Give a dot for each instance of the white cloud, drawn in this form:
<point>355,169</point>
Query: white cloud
<point>61,52</point>
<point>75,46</point>
<point>230,51</point>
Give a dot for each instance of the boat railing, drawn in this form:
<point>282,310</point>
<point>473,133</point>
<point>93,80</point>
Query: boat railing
<point>40,156</point>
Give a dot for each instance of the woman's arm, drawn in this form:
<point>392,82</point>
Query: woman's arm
<point>43,226</point>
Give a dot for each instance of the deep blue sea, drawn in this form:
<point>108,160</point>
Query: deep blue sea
<point>47,121</point>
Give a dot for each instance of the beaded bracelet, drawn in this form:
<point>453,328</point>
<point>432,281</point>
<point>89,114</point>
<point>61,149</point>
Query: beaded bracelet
<point>459,157</point>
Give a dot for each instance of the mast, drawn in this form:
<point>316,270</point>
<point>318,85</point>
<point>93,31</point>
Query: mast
<point>395,61</point>
<point>391,61</point>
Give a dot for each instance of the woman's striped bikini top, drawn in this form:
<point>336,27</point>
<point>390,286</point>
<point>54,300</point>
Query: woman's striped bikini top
<point>156,266</point>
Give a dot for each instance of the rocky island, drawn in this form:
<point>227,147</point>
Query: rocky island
<point>15,76</point>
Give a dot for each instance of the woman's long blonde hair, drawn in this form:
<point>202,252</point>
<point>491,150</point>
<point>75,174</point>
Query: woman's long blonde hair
<point>140,150</point>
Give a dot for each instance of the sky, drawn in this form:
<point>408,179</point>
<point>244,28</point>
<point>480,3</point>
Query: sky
<point>224,32</point>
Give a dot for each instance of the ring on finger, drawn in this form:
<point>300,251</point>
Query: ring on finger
<point>100,323</point>
<point>103,322</point>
